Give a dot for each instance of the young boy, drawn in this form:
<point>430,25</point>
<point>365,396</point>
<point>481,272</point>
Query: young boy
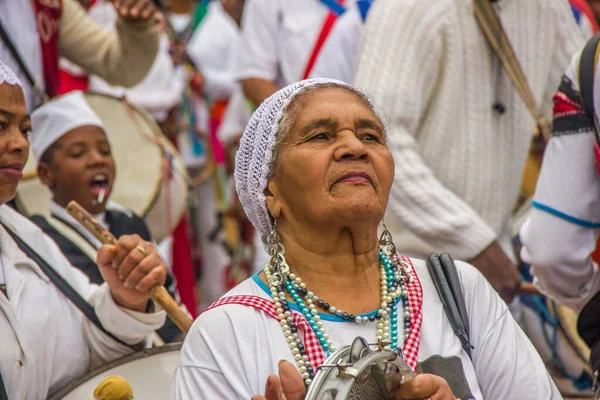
<point>75,162</point>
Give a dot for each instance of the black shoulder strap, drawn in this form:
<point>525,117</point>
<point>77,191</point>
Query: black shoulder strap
<point>63,286</point>
<point>587,73</point>
<point>447,283</point>
<point>15,54</point>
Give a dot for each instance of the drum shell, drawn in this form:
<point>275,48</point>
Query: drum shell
<point>149,372</point>
<point>143,182</point>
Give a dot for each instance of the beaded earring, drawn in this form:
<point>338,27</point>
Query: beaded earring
<point>278,267</point>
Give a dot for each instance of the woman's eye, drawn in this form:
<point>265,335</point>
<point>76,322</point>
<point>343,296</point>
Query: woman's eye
<point>320,136</point>
<point>26,132</point>
<point>369,137</point>
<point>77,154</point>
<point>3,125</point>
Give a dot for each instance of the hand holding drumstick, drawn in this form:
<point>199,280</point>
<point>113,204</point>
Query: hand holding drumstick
<point>132,268</point>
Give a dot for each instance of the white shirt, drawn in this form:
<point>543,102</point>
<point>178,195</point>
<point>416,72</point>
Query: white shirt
<point>46,341</point>
<point>338,55</point>
<point>231,350</point>
<point>278,37</point>
<point>561,232</point>
<point>18,20</point>
<point>212,48</point>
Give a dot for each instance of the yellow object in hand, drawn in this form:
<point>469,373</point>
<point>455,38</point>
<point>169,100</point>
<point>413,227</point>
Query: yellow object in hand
<point>113,388</point>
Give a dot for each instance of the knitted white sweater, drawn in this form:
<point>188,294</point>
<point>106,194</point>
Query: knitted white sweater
<point>458,162</point>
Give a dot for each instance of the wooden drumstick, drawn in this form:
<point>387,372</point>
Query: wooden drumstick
<point>158,293</point>
<point>529,288</point>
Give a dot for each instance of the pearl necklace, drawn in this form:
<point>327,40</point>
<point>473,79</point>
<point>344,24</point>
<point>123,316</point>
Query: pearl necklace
<point>393,289</point>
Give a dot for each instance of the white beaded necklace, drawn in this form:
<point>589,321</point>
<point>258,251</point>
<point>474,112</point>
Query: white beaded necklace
<point>280,278</point>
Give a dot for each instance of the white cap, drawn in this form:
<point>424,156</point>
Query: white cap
<point>253,158</point>
<point>57,117</point>
<point>8,76</point>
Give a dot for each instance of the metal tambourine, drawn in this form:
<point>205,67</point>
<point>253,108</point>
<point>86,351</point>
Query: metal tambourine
<point>360,371</point>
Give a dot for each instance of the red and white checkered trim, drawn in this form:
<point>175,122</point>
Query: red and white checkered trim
<point>415,300</point>
<point>311,343</point>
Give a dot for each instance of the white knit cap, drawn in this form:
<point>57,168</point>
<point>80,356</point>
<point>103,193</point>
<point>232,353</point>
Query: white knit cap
<point>256,151</point>
<point>57,117</point>
<point>8,76</point>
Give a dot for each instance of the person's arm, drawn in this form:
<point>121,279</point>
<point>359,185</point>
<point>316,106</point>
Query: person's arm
<point>561,232</point>
<point>131,327</point>
<point>506,364</point>
<point>121,59</point>
<point>402,83</point>
<point>257,65</point>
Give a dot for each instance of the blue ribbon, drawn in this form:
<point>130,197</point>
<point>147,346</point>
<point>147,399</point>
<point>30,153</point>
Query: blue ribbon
<point>363,7</point>
<point>334,6</point>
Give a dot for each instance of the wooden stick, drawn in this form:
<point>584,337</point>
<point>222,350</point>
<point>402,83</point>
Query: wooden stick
<point>158,293</point>
<point>529,288</point>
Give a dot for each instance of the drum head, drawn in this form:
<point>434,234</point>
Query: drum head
<point>149,372</point>
<point>140,151</point>
<point>568,328</point>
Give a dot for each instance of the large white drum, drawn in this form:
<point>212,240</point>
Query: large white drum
<point>149,373</point>
<point>151,179</point>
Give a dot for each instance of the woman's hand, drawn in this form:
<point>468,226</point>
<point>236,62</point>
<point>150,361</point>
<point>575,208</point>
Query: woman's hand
<point>135,10</point>
<point>287,386</point>
<point>131,268</point>
<point>426,387</point>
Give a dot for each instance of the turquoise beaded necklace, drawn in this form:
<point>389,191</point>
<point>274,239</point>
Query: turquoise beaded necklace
<point>393,290</point>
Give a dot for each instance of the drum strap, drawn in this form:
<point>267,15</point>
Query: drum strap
<point>587,78</point>
<point>41,97</point>
<point>64,287</point>
<point>492,29</point>
<point>447,283</point>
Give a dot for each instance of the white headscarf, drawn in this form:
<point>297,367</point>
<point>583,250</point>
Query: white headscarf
<point>55,118</point>
<point>8,76</point>
<point>256,151</point>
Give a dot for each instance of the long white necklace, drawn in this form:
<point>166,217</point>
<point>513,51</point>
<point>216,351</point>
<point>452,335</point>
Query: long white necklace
<point>280,280</point>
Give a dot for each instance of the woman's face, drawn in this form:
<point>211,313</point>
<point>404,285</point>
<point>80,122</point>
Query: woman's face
<point>15,125</point>
<point>334,166</point>
<point>81,165</point>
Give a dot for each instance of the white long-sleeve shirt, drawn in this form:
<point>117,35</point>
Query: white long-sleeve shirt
<point>45,340</point>
<point>278,37</point>
<point>562,229</point>
<point>232,349</point>
<point>459,163</point>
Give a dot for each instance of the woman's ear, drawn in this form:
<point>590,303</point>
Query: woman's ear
<point>45,175</point>
<point>273,204</point>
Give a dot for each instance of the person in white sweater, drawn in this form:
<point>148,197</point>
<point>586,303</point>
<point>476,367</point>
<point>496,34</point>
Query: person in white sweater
<point>459,131</point>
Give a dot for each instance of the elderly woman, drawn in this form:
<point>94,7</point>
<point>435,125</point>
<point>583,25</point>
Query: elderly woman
<point>313,173</point>
<point>46,340</point>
